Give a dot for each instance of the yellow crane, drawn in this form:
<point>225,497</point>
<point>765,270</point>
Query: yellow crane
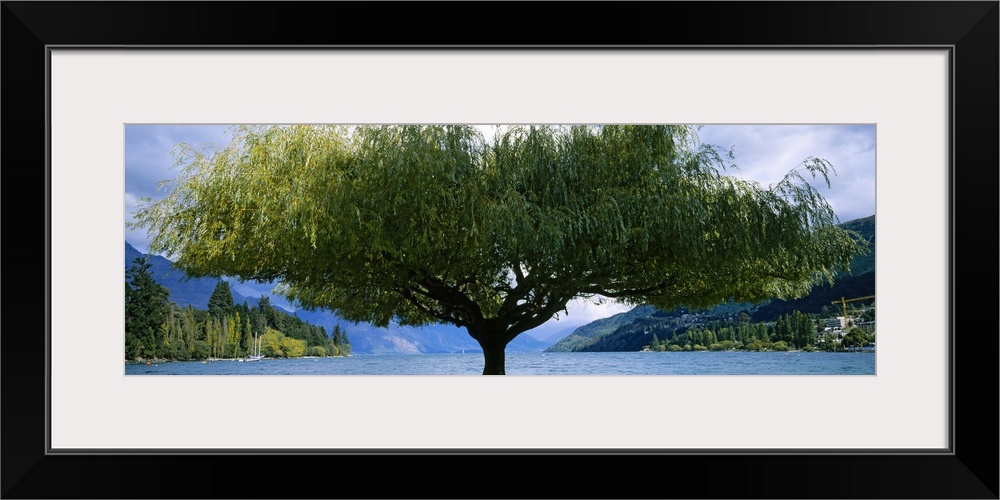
<point>843,303</point>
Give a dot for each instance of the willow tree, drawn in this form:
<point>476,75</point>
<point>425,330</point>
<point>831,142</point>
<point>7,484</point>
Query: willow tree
<point>424,224</point>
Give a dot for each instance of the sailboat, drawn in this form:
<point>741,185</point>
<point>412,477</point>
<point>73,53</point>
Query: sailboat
<point>255,353</point>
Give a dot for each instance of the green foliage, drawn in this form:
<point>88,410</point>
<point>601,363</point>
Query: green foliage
<point>863,229</point>
<point>423,224</point>
<point>593,333</point>
<point>200,350</point>
<point>337,343</point>
<point>271,343</point>
<point>146,308</point>
<point>157,328</point>
<point>856,337</point>
<point>796,330</point>
<point>220,304</point>
<point>293,348</point>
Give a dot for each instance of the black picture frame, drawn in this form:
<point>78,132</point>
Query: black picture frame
<point>968,471</point>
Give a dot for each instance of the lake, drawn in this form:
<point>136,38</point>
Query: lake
<point>556,363</point>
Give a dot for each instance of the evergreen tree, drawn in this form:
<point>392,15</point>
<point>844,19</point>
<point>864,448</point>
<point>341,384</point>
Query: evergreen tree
<point>220,304</point>
<point>257,321</point>
<point>337,339</point>
<point>268,314</point>
<point>146,306</point>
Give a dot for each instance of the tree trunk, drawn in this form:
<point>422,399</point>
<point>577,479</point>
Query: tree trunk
<point>493,353</point>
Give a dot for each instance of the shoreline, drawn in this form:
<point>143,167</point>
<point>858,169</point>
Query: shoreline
<point>155,361</point>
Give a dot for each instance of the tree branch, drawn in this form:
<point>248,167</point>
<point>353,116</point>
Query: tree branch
<point>520,292</point>
<point>452,298</point>
<point>546,311</point>
<point>410,297</point>
<point>517,271</point>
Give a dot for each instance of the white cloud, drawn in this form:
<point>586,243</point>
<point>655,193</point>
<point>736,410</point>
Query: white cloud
<point>765,153</point>
<point>583,311</point>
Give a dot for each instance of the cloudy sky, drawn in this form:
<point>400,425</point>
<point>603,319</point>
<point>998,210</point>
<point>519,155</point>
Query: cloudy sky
<point>764,153</point>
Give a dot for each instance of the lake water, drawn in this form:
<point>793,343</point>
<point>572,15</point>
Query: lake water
<point>558,363</point>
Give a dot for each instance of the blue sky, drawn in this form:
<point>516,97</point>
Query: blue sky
<point>764,153</point>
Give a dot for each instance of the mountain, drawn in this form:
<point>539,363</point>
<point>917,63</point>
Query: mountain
<point>858,282</point>
<point>629,331</point>
<point>184,291</point>
<point>865,227</point>
<point>553,337</point>
<point>591,332</point>
<point>398,339</point>
<point>365,338</point>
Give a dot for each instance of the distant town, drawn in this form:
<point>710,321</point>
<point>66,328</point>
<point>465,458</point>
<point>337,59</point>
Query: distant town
<point>709,330</point>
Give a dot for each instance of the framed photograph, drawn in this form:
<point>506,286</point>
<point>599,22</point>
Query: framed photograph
<point>924,92</point>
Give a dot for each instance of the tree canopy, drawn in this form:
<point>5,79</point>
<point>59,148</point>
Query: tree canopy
<point>421,224</point>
